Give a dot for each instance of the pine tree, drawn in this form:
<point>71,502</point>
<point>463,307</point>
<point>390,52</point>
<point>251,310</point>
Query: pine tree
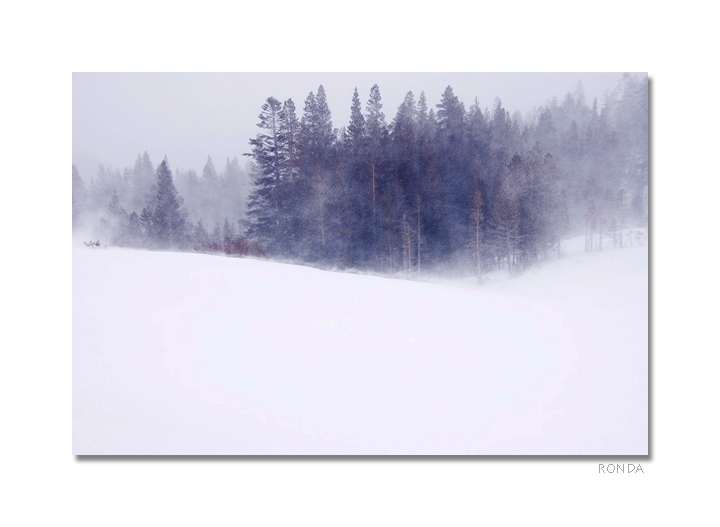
<point>317,132</point>
<point>546,131</point>
<point>354,166</point>
<point>290,137</point>
<point>217,234</point>
<point>377,134</point>
<point>404,149</point>
<point>168,219</point>
<point>146,226</point>
<point>431,191</point>
<point>114,207</point>
<point>478,139</point>
<point>264,202</point>
<point>267,145</point>
<point>356,128</point>
<point>228,234</point>
<point>200,235</point>
<point>451,118</point>
<point>209,174</point>
<point>501,149</point>
<point>317,186</point>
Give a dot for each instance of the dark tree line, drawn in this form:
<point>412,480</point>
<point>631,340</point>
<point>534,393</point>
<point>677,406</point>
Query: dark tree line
<point>437,186</point>
<point>446,186</point>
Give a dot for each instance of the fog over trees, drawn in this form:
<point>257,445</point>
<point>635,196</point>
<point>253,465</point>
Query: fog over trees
<point>436,187</point>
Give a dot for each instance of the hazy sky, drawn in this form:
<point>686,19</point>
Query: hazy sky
<point>188,116</point>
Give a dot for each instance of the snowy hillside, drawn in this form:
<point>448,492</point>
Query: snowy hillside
<point>195,354</point>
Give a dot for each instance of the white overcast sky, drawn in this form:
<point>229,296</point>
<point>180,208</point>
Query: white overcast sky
<point>188,116</point>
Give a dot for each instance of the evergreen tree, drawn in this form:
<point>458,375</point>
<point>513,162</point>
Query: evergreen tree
<point>209,174</point>
<point>355,170</point>
<point>228,234</point>
<point>317,186</point>
<point>146,227</point>
<point>376,141</point>
<point>478,140</point>
<point>290,137</point>
<point>404,150</point>
<point>265,200</point>
<point>501,151</point>
<point>200,235</point>
<point>356,128</point>
<point>431,191</point>
<point>267,146</point>
<point>168,219</point>
<point>546,131</point>
<point>114,208</point>
<point>455,170</point>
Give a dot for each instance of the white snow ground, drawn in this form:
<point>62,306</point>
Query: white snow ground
<point>195,354</point>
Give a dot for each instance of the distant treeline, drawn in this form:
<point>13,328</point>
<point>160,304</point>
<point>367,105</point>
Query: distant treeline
<point>446,186</point>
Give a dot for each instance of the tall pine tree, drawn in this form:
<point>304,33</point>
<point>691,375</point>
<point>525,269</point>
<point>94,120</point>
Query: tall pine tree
<point>168,218</point>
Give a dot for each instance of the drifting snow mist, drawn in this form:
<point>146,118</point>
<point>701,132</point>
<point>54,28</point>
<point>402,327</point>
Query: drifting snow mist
<point>439,185</point>
<point>179,353</point>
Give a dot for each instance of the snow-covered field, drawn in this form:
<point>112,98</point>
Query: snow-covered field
<point>195,354</point>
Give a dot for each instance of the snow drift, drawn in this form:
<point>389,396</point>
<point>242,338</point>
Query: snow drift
<point>196,354</point>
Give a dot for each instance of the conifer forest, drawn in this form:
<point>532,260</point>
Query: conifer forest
<point>435,185</point>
